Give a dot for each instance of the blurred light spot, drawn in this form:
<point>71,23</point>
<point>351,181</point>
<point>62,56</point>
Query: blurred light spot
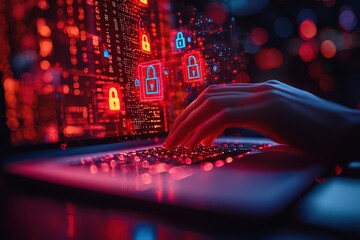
<point>259,36</point>
<point>347,19</point>
<point>46,47</point>
<point>144,232</point>
<point>93,169</point>
<point>217,11</point>
<point>328,49</point>
<point>308,52</point>
<point>66,89</point>
<point>316,69</point>
<point>283,27</point>
<point>327,83</point>
<point>229,160</point>
<point>146,178</point>
<point>306,14</point>
<point>219,163</point>
<point>207,166</point>
<point>44,65</point>
<point>106,53</point>
<point>43,4</point>
<point>269,58</point>
<point>307,30</point>
<point>44,31</point>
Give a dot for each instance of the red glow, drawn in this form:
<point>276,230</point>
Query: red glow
<point>193,67</point>
<point>150,75</point>
<point>307,29</point>
<point>269,58</point>
<point>259,36</point>
<point>207,166</point>
<point>243,77</point>
<point>328,49</point>
<point>307,52</point>
<point>217,11</point>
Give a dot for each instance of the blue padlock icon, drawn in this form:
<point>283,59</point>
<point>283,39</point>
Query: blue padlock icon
<point>151,83</point>
<point>180,40</point>
<point>193,68</point>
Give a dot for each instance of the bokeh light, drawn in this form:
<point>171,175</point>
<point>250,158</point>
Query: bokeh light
<point>269,58</point>
<point>328,49</point>
<point>308,51</point>
<point>347,19</point>
<point>259,36</point>
<point>307,30</point>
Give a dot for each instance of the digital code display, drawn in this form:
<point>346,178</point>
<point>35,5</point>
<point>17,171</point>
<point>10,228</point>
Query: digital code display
<point>90,69</point>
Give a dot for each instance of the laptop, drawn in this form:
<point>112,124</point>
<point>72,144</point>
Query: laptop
<point>94,87</point>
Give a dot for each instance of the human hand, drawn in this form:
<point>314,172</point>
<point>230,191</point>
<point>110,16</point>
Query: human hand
<point>284,113</point>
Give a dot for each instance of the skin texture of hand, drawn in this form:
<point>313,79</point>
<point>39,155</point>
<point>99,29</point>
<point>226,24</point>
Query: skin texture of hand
<point>284,113</point>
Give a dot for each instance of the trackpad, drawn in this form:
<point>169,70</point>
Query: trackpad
<point>260,184</point>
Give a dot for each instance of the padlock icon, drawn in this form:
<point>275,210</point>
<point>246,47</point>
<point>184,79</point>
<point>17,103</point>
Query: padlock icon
<point>151,83</point>
<point>144,1</point>
<point>145,43</point>
<point>180,40</point>
<point>114,100</point>
<point>193,68</point>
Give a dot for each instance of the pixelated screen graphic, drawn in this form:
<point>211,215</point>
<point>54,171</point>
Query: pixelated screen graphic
<point>92,69</point>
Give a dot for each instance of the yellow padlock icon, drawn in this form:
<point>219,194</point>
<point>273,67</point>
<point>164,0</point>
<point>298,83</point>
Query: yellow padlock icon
<point>144,1</point>
<point>145,43</point>
<point>114,100</point>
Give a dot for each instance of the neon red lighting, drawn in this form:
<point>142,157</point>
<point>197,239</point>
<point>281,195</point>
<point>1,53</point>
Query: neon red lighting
<point>328,49</point>
<point>145,43</point>
<point>193,67</point>
<point>269,58</point>
<point>150,75</point>
<point>259,36</point>
<point>113,99</point>
<point>307,52</point>
<point>307,30</point>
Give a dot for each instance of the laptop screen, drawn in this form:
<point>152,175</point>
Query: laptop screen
<point>91,69</point>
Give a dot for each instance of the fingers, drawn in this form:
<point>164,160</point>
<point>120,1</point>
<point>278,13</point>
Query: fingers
<point>206,110</point>
<point>222,89</point>
<point>223,119</point>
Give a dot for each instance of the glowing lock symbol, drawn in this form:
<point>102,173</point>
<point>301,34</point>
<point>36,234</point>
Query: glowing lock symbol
<point>151,83</point>
<point>114,101</point>
<point>193,68</point>
<point>180,40</point>
<point>145,43</point>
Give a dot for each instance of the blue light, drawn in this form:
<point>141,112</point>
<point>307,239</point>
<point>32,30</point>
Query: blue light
<point>215,68</point>
<point>137,82</point>
<point>306,13</point>
<point>144,232</point>
<point>180,40</point>
<point>106,53</point>
<point>189,39</point>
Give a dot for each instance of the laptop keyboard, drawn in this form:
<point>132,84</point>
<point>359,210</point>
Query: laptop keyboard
<point>177,156</point>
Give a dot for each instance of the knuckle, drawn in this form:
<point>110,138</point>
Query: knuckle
<point>209,89</point>
<point>273,82</point>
